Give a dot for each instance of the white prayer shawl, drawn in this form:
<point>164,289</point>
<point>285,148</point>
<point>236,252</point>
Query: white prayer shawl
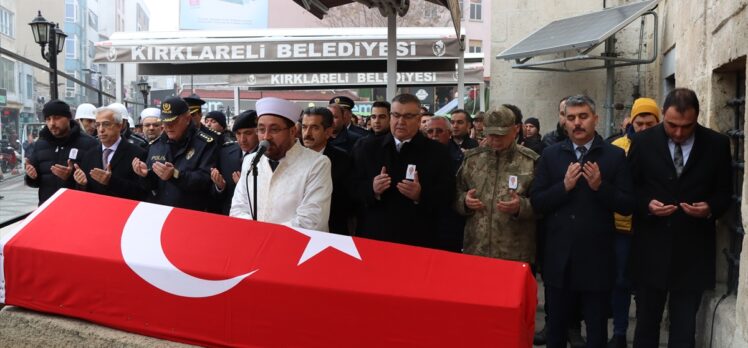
<point>297,194</point>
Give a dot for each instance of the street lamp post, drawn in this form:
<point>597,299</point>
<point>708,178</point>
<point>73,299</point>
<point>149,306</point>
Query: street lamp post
<point>48,34</point>
<point>145,88</point>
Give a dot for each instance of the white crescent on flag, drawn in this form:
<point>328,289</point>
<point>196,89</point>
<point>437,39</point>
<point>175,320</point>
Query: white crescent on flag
<point>143,253</point>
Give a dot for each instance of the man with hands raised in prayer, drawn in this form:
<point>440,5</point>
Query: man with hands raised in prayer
<point>499,174</point>
<point>402,180</point>
<point>579,183</point>
<point>106,169</point>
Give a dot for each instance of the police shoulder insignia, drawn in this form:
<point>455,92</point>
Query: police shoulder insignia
<point>229,142</point>
<point>207,137</point>
<point>190,153</point>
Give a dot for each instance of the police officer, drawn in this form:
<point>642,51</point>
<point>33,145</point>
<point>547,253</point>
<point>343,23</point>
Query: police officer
<point>216,121</point>
<point>177,169</point>
<point>195,104</point>
<point>230,158</point>
<point>347,105</point>
<point>492,191</point>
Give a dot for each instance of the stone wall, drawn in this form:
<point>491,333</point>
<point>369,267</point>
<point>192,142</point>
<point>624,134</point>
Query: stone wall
<point>536,92</point>
<point>707,39</point>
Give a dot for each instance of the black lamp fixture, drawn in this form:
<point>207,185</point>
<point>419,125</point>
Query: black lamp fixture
<point>145,88</point>
<point>51,39</point>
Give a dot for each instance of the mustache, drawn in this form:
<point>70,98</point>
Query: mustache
<point>579,129</point>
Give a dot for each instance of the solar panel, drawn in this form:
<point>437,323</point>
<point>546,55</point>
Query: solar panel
<point>579,32</point>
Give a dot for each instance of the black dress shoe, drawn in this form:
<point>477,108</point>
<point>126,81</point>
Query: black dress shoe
<point>575,338</point>
<point>617,341</point>
<point>539,338</point>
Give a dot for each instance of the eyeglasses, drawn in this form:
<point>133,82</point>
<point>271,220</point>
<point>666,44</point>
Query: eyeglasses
<point>105,124</point>
<point>397,115</point>
<point>271,130</point>
<point>435,130</point>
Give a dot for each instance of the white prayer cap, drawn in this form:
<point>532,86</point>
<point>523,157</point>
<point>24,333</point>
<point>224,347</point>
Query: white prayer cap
<point>150,112</point>
<point>85,111</point>
<point>278,107</point>
<point>123,111</point>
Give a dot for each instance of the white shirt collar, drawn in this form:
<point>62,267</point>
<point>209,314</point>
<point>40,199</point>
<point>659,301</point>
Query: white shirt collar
<point>113,147</point>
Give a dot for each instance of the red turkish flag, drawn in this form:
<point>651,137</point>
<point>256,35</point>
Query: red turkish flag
<point>213,280</point>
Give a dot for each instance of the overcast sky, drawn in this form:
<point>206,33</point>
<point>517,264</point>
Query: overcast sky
<point>164,15</point>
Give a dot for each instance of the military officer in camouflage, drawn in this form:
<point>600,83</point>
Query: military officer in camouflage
<point>493,185</point>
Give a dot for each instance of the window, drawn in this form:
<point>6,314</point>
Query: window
<point>462,10</point>
<point>430,10</point>
<point>475,46</point>
<point>93,20</point>
<point>29,86</point>
<point>476,10</point>
<point>6,22</point>
<point>71,88</point>
<point>71,47</point>
<point>7,74</point>
<point>91,49</point>
<point>71,11</point>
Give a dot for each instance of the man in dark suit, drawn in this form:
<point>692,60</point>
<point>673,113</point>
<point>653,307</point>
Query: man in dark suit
<point>316,128</point>
<point>682,174</point>
<point>228,168</point>
<point>107,168</point>
<point>402,180</point>
<point>579,183</point>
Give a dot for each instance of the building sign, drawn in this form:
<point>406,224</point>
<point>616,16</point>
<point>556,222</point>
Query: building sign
<point>223,14</point>
<point>353,79</point>
<point>276,51</point>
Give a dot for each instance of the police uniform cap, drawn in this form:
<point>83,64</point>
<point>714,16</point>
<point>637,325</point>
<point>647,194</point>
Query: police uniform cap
<point>343,101</point>
<point>247,119</point>
<point>499,121</point>
<point>171,108</point>
<point>278,107</point>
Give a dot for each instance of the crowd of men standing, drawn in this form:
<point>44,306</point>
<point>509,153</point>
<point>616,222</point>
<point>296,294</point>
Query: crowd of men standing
<point>578,208</point>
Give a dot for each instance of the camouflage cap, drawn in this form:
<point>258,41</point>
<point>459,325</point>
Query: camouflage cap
<point>499,121</point>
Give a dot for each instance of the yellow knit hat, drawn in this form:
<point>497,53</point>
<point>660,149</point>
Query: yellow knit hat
<point>645,106</point>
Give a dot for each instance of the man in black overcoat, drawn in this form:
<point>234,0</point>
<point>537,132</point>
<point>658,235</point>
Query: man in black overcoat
<point>402,180</point>
<point>682,174</point>
<point>579,183</point>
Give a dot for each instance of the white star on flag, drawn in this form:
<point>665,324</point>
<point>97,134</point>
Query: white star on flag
<point>319,241</point>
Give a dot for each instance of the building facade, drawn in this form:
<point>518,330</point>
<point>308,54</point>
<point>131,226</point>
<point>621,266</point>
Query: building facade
<point>701,47</point>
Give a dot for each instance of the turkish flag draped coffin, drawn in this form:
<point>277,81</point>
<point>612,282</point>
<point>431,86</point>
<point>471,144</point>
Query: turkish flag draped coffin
<point>213,280</point>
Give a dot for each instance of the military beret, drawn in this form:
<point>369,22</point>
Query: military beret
<point>247,119</point>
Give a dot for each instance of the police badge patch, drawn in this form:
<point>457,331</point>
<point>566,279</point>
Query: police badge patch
<point>190,153</point>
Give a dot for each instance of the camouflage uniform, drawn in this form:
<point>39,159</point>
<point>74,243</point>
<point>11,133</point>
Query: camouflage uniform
<point>490,232</point>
